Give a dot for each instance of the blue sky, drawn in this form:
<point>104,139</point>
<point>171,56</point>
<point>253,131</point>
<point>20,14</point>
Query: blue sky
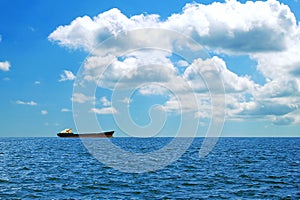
<point>47,46</point>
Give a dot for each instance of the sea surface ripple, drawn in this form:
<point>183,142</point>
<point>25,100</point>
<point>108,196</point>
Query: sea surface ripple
<point>237,168</point>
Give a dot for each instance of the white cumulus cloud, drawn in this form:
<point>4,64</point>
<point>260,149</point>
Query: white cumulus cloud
<point>67,76</point>
<point>231,26</point>
<point>4,66</point>
<point>237,27</point>
<point>265,31</point>
<point>216,67</point>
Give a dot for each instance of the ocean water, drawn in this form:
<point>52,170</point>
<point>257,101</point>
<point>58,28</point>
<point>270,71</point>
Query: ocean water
<point>237,168</point>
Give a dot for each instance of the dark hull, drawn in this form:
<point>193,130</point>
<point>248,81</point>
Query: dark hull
<point>108,134</point>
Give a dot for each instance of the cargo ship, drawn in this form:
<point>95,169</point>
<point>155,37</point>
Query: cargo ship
<point>68,133</point>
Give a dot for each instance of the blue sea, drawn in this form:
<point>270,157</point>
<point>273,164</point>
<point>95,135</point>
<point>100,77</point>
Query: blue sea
<point>237,168</point>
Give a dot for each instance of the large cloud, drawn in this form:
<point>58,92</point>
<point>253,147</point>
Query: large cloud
<point>232,82</point>
<point>267,32</point>
<point>87,33</point>
<point>233,26</point>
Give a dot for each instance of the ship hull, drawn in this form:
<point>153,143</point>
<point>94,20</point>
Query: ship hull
<point>108,134</point>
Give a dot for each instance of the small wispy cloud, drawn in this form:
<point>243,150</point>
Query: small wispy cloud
<point>32,29</point>
<point>4,66</point>
<point>65,110</point>
<point>104,111</point>
<point>105,101</point>
<point>81,98</point>
<point>29,103</point>
<point>44,112</point>
<point>126,100</point>
<point>182,63</point>
<point>67,76</point>
<point>37,82</point>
